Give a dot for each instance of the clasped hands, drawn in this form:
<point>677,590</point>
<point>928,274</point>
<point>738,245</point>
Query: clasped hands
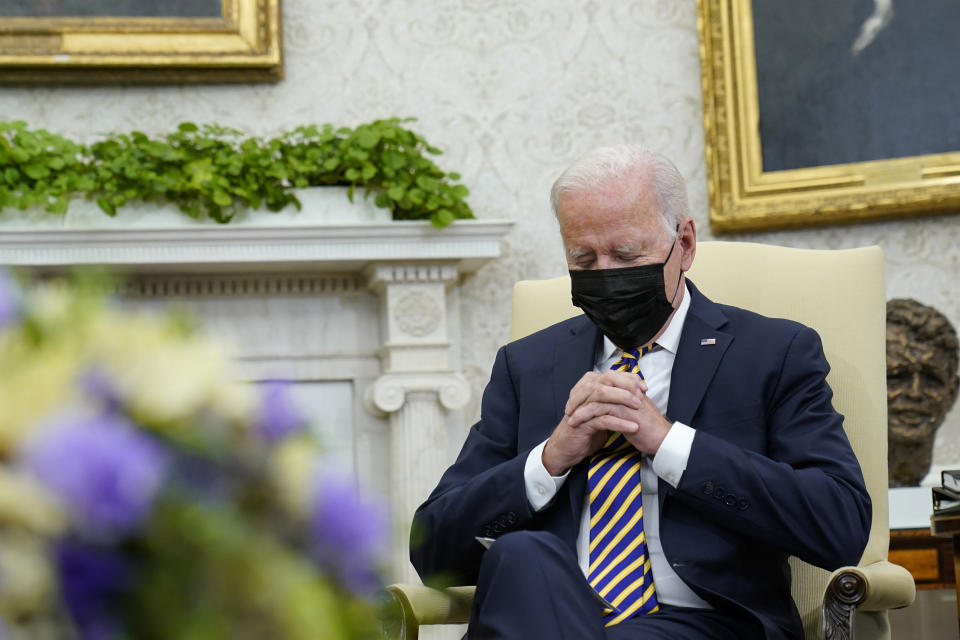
<point>600,403</point>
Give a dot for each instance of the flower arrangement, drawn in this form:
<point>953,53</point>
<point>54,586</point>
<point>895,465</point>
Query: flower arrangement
<point>143,495</point>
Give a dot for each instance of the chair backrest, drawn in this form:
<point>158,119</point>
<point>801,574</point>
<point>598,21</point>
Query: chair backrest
<point>838,293</point>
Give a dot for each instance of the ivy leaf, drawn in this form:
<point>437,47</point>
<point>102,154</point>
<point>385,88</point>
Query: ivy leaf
<point>221,198</point>
<point>187,127</point>
<point>426,183</point>
<point>442,218</point>
<point>200,171</point>
<point>396,192</point>
<point>36,171</point>
<point>108,208</point>
<point>416,196</point>
<point>367,138</point>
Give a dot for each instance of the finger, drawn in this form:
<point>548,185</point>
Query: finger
<point>580,392</point>
<point>631,383</point>
<point>583,391</point>
<point>628,381</point>
<point>592,410</point>
<point>610,422</point>
<point>621,379</point>
<point>615,395</point>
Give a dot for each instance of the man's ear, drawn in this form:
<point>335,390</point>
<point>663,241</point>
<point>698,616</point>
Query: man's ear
<point>688,242</point>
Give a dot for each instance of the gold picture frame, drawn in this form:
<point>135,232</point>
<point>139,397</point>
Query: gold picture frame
<point>242,44</point>
<point>745,197</point>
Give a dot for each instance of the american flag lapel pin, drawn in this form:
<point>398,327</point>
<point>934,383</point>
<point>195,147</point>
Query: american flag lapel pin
<point>707,341</point>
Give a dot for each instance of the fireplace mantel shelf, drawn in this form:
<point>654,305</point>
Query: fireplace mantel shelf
<point>330,247</point>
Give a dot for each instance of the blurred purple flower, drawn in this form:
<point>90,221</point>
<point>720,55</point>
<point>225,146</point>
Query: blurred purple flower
<point>96,384</point>
<point>349,533</point>
<point>105,470</point>
<point>9,304</point>
<point>202,479</point>
<point>279,415</point>
<point>91,578</point>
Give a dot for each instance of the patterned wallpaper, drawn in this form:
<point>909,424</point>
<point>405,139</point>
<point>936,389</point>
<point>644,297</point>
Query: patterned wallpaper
<point>513,91</point>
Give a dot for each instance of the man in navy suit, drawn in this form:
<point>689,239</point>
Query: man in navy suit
<point>742,459</point>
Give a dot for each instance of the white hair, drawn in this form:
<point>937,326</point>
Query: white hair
<point>606,164</point>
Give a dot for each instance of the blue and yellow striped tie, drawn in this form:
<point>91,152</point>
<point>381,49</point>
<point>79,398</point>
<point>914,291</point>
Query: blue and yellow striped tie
<point>619,566</point>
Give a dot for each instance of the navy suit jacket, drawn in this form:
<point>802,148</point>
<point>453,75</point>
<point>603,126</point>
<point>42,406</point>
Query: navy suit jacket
<point>770,472</point>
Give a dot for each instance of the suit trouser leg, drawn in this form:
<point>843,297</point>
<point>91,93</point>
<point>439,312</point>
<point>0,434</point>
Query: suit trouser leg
<point>530,586</point>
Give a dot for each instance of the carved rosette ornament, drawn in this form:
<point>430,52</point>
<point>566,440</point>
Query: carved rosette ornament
<point>846,590</point>
<point>417,314</point>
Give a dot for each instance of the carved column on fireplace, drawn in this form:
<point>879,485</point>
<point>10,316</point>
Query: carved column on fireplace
<point>418,386</point>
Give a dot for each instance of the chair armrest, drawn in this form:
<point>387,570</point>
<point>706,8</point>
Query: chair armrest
<point>424,605</point>
<point>873,587</point>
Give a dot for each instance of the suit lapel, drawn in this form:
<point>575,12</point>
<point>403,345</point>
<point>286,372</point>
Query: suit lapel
<point>694,366</point>
<point>695,363</point>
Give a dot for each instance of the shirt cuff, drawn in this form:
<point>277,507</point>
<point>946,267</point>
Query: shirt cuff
<point>671,459</point>
<point>541,486</point>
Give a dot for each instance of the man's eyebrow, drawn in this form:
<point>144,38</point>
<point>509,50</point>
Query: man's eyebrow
<point>575,254</point>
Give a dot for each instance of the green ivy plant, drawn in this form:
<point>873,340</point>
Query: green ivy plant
<point>212,171</point>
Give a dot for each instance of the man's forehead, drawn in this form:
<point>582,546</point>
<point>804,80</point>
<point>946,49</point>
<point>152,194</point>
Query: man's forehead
<point>631,235</point>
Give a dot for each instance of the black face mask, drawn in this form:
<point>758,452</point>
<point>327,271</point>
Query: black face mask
<point>629,305</point>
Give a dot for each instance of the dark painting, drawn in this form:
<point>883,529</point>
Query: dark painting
<point>110,8</point>
<point>844,81</point>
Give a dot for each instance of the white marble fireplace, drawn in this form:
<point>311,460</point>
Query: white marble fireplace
<point>363,317</point>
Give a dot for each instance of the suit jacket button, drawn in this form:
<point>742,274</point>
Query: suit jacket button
<point>742,505</point>
<point>707,487</point>
<point>730,500</point>
<point>512,518</point>
<point>719,492</point>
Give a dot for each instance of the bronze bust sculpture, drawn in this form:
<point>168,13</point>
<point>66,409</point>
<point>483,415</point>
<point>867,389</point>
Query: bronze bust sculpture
<point>922,383</point>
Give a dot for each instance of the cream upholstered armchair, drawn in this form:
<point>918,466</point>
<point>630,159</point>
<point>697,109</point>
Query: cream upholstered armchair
<point>841,295</point>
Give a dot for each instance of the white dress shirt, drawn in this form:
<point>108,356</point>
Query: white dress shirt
<point>669,463</point>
